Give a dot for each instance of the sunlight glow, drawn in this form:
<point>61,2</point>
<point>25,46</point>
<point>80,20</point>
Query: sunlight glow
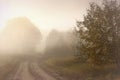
<point>46,15</point>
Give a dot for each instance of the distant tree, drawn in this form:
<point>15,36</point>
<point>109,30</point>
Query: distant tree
<point>20,36</point>
<point>54,43</point>
<point>59,44</point>
<point>99,33</point>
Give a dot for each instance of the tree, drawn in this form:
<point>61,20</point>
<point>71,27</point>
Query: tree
<point>59,44</point>
<point>20,36</point>
<point>98,33</point>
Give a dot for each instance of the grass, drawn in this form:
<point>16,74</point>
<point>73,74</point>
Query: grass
<point>7,68</point>
<point>68,67</point>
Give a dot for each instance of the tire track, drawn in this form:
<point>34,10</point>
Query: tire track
<point>23,72</point>
<point>31,71</point>
<point>40,73</point>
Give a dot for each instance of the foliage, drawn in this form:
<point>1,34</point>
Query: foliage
<point>98,33</point>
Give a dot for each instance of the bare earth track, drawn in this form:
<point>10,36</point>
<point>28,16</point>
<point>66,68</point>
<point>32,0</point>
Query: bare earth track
<point>30,71</point>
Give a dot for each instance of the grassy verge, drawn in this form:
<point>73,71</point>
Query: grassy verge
<point>7,68</point>
<point>71,70</point>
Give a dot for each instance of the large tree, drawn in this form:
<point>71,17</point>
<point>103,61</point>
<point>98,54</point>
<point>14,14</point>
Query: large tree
<point>20,36</point>
<point>98,33</point>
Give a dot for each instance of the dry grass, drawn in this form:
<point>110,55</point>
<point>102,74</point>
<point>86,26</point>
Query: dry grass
<point>67,67</point>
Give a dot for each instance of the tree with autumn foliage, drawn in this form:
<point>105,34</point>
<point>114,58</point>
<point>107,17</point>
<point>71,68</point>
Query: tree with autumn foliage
<point>99,33</point>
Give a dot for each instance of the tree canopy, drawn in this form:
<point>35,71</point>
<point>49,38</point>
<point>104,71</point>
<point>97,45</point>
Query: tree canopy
<point>20,36</point>
<point>98,33</point>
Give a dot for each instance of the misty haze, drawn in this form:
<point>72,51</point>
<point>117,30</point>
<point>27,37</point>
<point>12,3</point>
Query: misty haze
<point>59,40</point>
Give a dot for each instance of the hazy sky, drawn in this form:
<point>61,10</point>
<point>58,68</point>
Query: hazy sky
<point>46,14</point>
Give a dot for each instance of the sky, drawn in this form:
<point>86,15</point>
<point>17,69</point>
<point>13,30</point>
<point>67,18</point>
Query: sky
<point>45,14</point>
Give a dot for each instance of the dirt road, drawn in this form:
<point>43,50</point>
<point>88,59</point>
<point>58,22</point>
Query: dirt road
<point>30,71</point>
<point>40,73</point>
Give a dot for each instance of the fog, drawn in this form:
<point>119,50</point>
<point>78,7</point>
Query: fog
<point>20,36</point>
<point>21,40</point>
<point>59,40</point>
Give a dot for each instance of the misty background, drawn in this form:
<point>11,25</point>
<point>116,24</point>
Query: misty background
<point>59,40</point>
<point>45,14</point>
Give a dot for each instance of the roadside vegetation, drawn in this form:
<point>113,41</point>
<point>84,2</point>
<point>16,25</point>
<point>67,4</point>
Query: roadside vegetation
<point>95,49</point>
<point>8,67</point>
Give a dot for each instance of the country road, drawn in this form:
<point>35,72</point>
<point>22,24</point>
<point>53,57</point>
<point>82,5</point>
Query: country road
<point>30,71</point>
